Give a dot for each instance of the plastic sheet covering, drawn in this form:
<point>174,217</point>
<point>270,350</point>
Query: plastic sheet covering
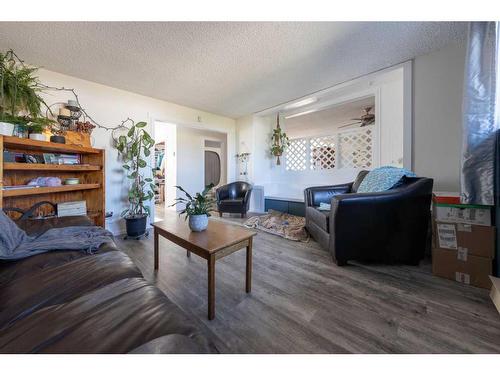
<point>480,113</point>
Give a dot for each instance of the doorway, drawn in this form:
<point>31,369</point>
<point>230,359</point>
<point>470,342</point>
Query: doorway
<point>164,167</point>
<point>215,171</point>
<point>212,168</point>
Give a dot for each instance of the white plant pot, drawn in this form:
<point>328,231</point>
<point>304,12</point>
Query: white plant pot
<point>38,137</point>
<point>198,223</point>
<point>6,128</point>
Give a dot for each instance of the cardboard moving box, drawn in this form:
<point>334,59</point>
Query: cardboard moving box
<point>474,271</point>
<point>495,292</point>
<point>467,239</point>
<point>462,213</point>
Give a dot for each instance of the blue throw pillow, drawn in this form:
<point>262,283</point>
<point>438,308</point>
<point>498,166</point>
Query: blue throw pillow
<point>383,178</point>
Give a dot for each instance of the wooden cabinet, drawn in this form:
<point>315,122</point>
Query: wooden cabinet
<point>91,173</point>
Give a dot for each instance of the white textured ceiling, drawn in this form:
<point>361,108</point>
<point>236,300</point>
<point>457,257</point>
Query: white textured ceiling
<point>229,68</point>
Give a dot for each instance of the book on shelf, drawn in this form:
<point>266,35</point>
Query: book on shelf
<point>69,159</point>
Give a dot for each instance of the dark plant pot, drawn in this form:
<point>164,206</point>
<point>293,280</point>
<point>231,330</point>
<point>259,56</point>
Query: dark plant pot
<point>58,139</point>
<point>136,226</point>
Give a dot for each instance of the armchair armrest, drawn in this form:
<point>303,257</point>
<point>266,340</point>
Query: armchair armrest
<point>384,225</point>
<point>315,195</point>
<point>246,198</point>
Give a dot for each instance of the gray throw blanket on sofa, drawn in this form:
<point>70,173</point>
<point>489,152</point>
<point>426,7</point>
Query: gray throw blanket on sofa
<point>16,244</point>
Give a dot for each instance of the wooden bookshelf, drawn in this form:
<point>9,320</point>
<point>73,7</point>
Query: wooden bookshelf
<point>30,144</point>
<point>90,172</point>
<point>48,190</point>
<point>49,167</point>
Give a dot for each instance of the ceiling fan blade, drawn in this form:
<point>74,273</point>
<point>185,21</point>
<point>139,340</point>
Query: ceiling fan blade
<point>352,123</point>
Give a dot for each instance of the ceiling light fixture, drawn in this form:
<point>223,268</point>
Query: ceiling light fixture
<point>300,103</point>
<point>300,114</point>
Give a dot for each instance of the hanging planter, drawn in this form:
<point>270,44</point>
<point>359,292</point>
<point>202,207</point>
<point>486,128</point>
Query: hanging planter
<point>279,140</point>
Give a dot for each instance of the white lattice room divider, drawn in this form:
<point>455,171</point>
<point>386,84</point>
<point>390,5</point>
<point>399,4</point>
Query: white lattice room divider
<point>356,148</point>
<point>296,155</point>
<point>322,153</point>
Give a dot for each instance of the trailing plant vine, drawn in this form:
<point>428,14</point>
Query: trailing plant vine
<point>20,89</point>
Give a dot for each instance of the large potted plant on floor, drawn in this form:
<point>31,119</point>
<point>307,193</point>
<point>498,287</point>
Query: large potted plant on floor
<point>196,208</point>
<point>20,100</point>
<point>134,148</point>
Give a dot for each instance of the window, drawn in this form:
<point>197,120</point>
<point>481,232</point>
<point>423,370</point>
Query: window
<point>355,148</point>
<point>322,153</point>
<point>296,155</point>
<point>346,149</point>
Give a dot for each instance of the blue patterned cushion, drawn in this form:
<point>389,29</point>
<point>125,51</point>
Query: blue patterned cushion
<point>383,178</point>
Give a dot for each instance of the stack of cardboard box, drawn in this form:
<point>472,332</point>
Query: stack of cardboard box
<point>463,240</point>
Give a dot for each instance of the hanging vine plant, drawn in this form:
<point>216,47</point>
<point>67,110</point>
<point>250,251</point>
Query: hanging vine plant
<point>280,141</point>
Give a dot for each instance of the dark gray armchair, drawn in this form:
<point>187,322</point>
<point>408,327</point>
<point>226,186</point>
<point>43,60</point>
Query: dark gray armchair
<point>234,198</point>
<point>389,226</point>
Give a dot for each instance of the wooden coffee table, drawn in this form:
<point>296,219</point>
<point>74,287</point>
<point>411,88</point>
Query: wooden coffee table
<point>217,241</point>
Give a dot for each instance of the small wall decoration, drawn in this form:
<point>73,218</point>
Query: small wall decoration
<point>279,140</point>
<point>243,159</point>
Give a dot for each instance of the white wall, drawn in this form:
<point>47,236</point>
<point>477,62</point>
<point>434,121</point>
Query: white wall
<point>109,106</point>
<point>191,157</point>
<point>437,135</point>
<point>245,143</point>
<point>391,118</point>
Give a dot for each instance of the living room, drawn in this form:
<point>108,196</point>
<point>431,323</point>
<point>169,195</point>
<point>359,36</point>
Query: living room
<point>250,187</point>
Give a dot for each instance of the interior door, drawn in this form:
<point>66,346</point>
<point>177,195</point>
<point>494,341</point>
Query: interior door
<point>212,168</point>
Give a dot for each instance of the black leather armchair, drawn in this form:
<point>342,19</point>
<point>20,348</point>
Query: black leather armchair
<point>234,198</point>
<point>389,226</point>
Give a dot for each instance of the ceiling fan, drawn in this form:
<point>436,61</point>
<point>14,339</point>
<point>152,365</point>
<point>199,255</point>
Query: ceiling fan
<point>366,119</point>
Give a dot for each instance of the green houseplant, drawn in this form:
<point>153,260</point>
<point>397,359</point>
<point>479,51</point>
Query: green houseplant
<point>279,140</point>
<point>20,100</point>
<point>134,147</point>
<point>197,208</point>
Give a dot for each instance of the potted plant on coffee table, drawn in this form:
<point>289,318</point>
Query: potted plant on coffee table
<point>134,148</point>
<point>196,208</point>
<point>20,100</point>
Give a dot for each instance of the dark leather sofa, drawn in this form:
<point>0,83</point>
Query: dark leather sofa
<point>389,226</point>
<point>234,198</point>
<point>74,302</point>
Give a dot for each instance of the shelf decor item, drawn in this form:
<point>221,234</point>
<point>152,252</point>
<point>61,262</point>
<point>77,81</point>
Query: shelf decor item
<point>71,181</point>
<point>133,146</point>
<point>196,208</point>
<point>279,140</point>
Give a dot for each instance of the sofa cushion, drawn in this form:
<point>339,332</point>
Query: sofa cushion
<point>232,202</point>
<point>320,218</point>
<point>116,318</point>
<point>383,178</point>
<point>61,283</point>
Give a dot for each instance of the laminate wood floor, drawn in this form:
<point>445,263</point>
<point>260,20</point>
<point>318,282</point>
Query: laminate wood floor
<point>301,302</point>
